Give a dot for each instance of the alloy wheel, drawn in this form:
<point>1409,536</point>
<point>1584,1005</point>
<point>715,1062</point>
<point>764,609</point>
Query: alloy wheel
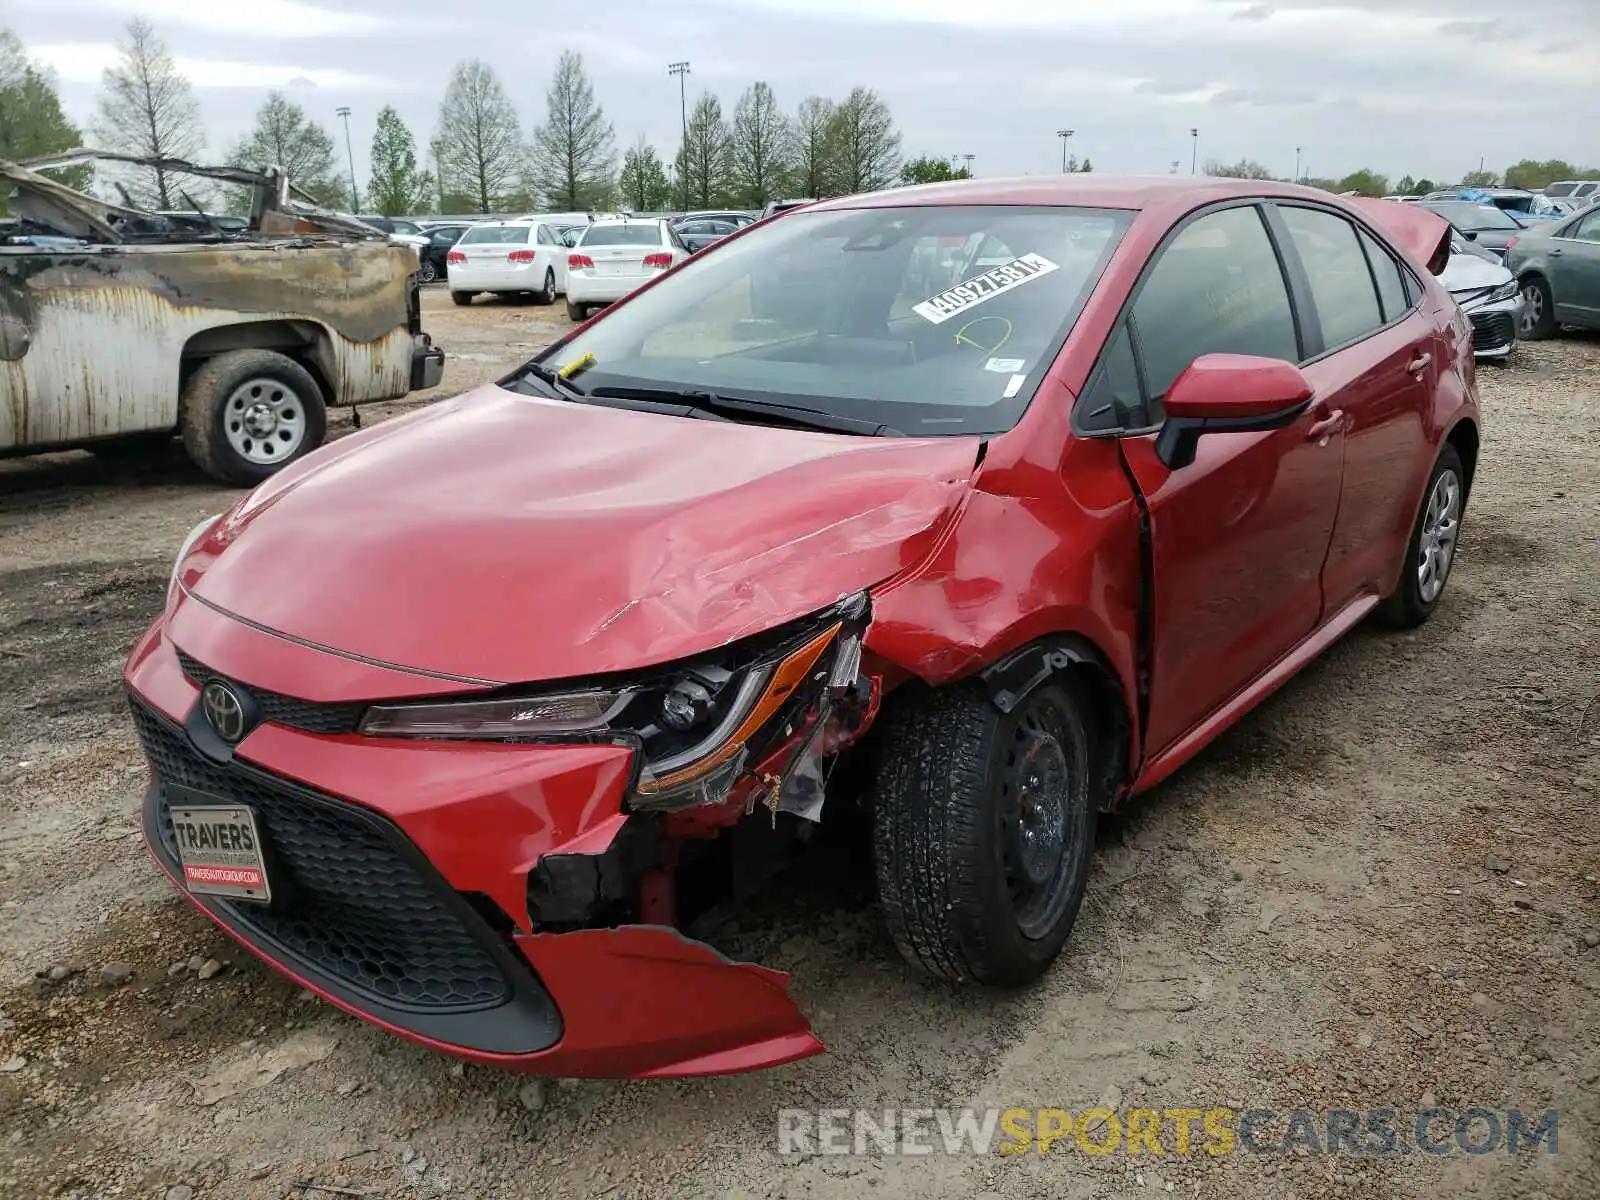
<point>1436,549</point>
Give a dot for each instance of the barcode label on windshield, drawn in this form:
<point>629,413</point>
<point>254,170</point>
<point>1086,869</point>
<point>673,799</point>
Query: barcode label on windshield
<point>988,285</point>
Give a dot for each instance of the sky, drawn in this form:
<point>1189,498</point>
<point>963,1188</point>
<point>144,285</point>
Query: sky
<point>1421,87</point>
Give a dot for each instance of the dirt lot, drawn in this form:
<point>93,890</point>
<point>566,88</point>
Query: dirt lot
<point>1383,889</point>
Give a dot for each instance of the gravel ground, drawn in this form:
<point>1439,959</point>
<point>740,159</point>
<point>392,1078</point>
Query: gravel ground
<point>1381,889</point>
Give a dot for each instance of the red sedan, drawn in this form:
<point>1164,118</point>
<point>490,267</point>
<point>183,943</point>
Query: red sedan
<point>1048,480</point>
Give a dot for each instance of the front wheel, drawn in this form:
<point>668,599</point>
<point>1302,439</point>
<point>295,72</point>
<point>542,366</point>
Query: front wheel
<point>249,413</point>
<point>1538,310</point>
<point>427,272</point>
<point>983,830</point>
<point>1431,552</point>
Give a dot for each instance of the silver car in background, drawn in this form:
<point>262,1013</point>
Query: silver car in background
<point>1490,297</point>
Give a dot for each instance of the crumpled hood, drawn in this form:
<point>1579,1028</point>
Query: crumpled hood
<point>1469,273</point>
<point>506,538</point>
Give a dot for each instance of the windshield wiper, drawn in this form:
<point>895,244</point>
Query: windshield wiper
<point>715,402</point>
<point>555,381</point>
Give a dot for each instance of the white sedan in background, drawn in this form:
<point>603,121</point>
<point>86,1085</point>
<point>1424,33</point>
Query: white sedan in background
<point>615,255</point>
<point>508,256</point>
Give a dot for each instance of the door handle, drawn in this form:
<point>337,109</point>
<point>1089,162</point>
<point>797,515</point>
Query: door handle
<point>1329,424</point>
<point>1420,363</point>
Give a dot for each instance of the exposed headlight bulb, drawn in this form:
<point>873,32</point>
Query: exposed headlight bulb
<point>685,704</point>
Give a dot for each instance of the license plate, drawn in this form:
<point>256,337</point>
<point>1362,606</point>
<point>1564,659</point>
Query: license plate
<point>618,268</point>
<point>219,848</point>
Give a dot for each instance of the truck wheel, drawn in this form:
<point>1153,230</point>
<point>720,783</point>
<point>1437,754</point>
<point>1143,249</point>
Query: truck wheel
<point>461,299</point>
<point>577,312</point>
<point>247,413</point>
<point>983,830</point>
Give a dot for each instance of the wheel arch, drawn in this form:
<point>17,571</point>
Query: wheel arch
<point>1074,657</point>
<point>1464,436</point>
<point>308,343</point>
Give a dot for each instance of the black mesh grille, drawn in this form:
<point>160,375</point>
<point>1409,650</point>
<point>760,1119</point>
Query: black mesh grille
<point>1492,331</point>
<point>356,907</point>
<point>308,715</point>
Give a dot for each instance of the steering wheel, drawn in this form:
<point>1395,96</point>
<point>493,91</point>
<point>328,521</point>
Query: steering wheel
<point>994,332</point>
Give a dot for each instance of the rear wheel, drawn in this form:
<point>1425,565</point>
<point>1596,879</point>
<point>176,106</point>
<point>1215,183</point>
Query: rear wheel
<point>983,830</point>
<point>1431,552</point>
<point>248,413</point>
<point>1538,310</point>
<point>547,294</point>
<point>577,312</point>
<point>461,299</point>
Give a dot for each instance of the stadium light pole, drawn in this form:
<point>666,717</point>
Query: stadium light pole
<point>1194,152</point>
<point>681,70</point>
<point>1066,136</point>
<point>343,112</point>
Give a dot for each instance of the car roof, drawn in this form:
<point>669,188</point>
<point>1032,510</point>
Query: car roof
<point>1136,192</point>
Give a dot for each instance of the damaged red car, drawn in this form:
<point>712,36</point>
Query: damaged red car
<point>1015,494</point>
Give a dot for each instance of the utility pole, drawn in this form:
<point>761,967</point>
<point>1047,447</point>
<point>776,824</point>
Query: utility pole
<point>1194,153</point>
<point>343,112</point>
<point>681,70</point>
<point>1066,136</point>
<point>967,158</point>
<point>1297,164</point>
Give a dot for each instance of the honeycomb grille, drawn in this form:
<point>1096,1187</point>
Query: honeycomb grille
<point>307,715</point>
<point>347,899</point>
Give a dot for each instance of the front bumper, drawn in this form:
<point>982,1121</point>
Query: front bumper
<point>1494,327</point>
<point>427,363</point>
<point>404,875</point>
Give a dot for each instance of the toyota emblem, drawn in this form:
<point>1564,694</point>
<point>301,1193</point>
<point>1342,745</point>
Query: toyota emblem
<point>224,710</point>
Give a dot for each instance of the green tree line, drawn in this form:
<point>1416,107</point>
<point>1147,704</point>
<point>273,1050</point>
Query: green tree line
<point>1528,173</point>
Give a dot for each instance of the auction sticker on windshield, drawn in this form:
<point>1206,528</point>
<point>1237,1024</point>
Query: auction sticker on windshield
<point>219,848</point>
<point>985,286</point>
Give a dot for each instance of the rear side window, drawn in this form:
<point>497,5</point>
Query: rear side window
<point>622,235</point>
<point>1217,288</point>
<point>1391,286</point>
<point>1586,229</point>
<point>1341,282</point>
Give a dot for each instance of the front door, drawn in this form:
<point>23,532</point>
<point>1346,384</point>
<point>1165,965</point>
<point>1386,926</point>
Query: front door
<point>1238,537</point>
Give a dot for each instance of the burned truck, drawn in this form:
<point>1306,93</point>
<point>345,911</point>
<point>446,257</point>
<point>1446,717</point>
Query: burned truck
<point>121,329</point>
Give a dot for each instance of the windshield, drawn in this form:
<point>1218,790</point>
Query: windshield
<point>404,227</point>
<point>930,320</point>
<point>622,235</point>
<point>501,235</point>
<point>1471,218</point>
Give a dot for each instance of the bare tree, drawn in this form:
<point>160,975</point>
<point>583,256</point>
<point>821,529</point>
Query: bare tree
<point>812,155</point>
<point>479,141</point>
<point>762,146</point>
<point>705,161</point>
<point>147,107</point>
<point>284,136</point>
<point>574,151</point>
<point>865,142</point>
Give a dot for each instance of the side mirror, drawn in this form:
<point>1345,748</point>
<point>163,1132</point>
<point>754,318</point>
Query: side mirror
<point>1228,393</point>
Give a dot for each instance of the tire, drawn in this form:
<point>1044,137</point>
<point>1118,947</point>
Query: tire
<point>577,312</point>
<point>247,414</point>
<point>547,295</point>
<point>946,842</point>
<point>461,299</point>
<point>1539,321</point>
<point>1412,602</point>
<point>427,272</point>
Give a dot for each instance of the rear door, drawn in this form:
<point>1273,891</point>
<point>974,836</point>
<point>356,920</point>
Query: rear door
<point>1372,353</point>
<point>551,249</point>
<point>1238,537</point>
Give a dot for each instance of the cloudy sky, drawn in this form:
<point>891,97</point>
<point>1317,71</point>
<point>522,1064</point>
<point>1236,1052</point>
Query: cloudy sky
<point>1421,86</point>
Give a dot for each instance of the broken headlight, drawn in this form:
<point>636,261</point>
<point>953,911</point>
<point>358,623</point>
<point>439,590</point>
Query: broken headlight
<point>696,725</point>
